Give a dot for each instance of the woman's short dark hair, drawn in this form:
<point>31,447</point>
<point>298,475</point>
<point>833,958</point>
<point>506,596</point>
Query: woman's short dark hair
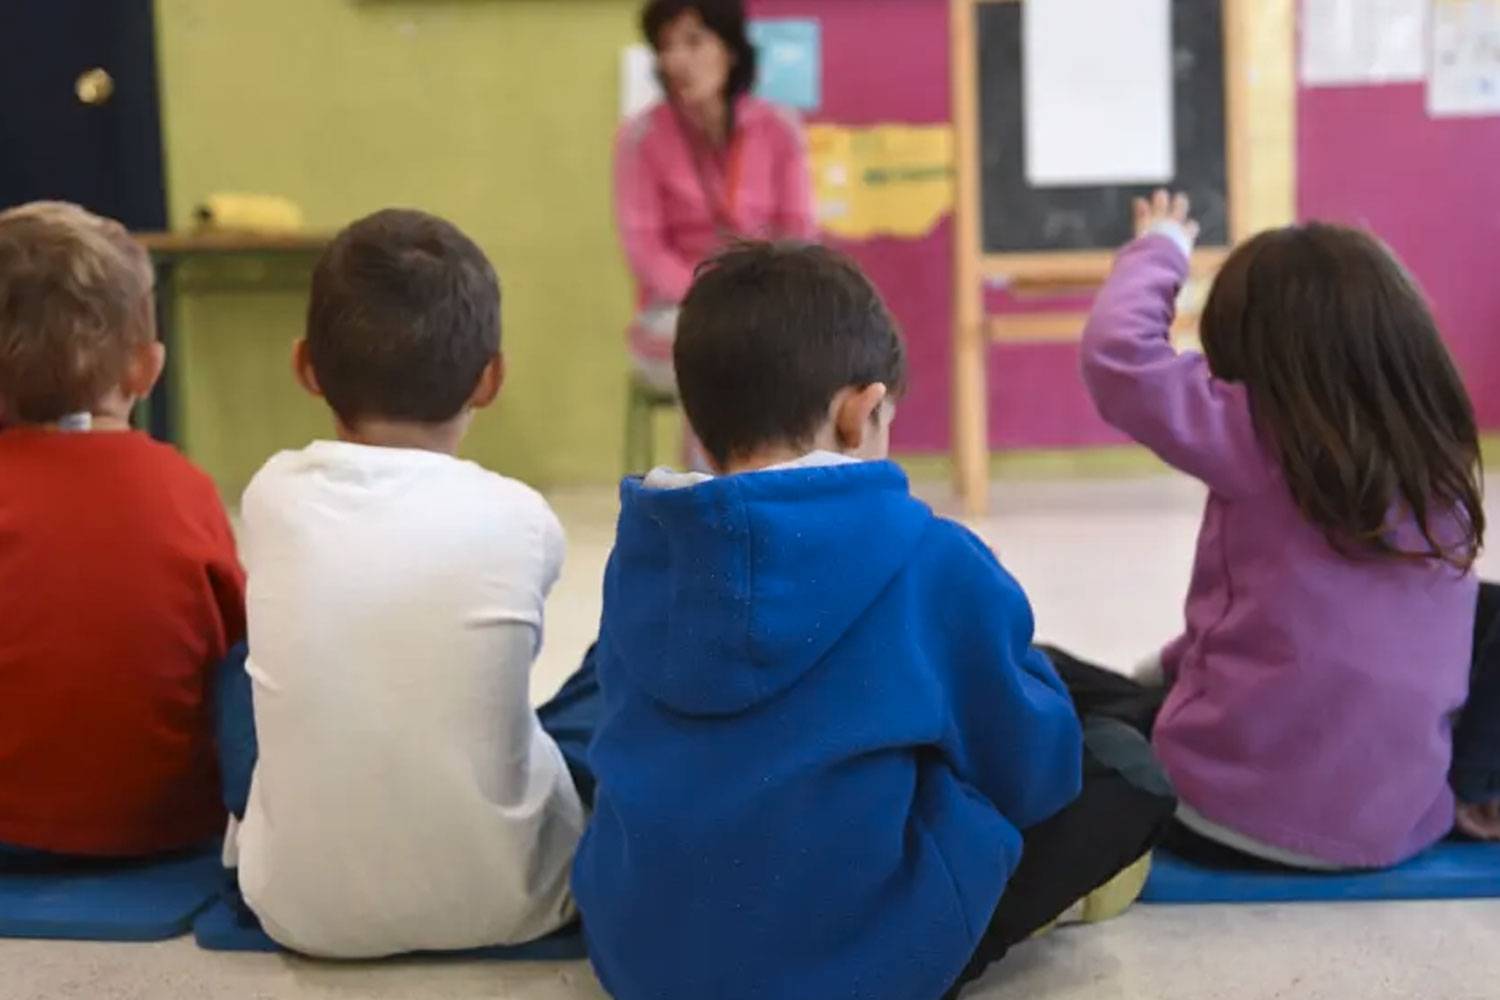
<point>725,18</point>
<point>1354,390</point>
<point>768,335</point>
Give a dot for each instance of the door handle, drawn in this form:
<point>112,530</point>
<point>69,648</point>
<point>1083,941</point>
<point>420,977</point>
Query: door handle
<point>95,86</point>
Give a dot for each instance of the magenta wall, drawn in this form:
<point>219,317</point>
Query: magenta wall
<point>1431,189</point>
<point>1368,155</point>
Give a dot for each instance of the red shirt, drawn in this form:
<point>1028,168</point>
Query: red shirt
<point>119,593</point>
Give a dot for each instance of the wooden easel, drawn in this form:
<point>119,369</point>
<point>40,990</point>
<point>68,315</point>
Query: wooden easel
<point>1050,272</point>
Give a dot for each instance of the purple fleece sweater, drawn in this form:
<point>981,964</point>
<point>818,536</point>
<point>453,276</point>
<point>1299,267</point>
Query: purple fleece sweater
<point>1314,695</point>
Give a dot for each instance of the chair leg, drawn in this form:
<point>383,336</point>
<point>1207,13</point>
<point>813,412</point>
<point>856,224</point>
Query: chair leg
<point>640,432</point>
<point>632,431</point>
<point>648,438</point>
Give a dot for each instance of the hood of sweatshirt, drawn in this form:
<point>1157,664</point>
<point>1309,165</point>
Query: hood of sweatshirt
<point>739,585</point>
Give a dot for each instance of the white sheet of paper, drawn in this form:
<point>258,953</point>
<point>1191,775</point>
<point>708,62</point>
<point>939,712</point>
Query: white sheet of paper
<point>1351,42</point>
<point>1465,77</point>
<point>639,88</point>
<point>1097,77</point>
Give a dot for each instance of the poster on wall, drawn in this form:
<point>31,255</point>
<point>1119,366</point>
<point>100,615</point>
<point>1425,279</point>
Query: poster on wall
<point>791,67</point>
<point>1363,42</point>
<point>1098,103</point>
<point>881,180</point>
<point>1465,77</point>
<point>791,61</point>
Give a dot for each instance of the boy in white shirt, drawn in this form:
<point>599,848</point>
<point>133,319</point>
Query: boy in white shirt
<point>405,797</point>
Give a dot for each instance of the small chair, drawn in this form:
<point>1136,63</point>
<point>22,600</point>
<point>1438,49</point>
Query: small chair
<point>642,400</point>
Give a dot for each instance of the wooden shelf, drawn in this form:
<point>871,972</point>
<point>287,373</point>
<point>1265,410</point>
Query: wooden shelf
<point>229,242</point>
<point>1055,327</point>
<point>1069,272</point>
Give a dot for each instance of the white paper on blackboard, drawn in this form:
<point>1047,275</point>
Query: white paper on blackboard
<point>1363,42</point>
<point>1097,77</point>
<point>1465,75</point>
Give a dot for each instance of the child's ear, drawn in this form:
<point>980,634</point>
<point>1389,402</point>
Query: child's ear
<point>856,415</point>
<point>145,367</point>
<point>490,381</point>
<point>303,370</point>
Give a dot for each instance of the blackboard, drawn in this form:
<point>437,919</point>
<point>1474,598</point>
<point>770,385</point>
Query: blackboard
<point>1018,218</point>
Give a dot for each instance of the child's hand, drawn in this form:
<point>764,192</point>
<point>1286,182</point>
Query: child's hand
<point>1167,215</point>
<point>1482,822</point>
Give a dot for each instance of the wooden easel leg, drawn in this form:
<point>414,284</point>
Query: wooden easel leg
<point>970,432</point>
<point>971,453</point>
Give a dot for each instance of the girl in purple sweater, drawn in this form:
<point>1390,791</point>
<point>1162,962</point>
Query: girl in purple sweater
<point>1318,710</point>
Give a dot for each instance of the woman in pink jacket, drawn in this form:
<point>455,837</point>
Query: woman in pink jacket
<point>708,165</point>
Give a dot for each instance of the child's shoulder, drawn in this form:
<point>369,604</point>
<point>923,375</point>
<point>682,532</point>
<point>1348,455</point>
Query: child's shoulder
<point>454,480</point>
<point>186,471</point>
<point>150,461</point>
<point>948,541</point>
<point>505,515</point>
<point>517,496</point>
<point>964,562</point>
<point>121,468</point>
<point>476,496</point>
<point>272,473</point>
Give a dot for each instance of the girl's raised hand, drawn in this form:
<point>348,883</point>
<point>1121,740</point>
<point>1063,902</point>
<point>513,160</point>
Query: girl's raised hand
<point>1169,215</point>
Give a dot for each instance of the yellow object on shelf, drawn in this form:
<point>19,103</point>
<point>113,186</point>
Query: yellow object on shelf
<point>250,213</point>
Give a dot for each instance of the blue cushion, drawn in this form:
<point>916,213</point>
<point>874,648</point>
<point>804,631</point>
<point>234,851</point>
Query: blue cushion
<point>134,901</point>
<point>228,926</point>
<point>1448,871</point>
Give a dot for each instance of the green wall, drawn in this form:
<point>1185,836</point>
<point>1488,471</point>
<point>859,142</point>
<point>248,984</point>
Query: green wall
<point>498,114</point>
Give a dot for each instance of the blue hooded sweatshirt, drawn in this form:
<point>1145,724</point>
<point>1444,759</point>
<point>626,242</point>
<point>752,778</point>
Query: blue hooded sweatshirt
<point>824,727</point>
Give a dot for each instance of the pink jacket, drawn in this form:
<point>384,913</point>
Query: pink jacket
<point>678,199</point>
<point>1314,695</point>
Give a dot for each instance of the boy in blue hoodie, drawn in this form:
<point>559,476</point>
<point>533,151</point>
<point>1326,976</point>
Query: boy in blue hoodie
<point>830,761</point>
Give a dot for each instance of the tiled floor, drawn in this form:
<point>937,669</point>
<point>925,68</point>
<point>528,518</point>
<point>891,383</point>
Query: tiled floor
<point>1106,564</point>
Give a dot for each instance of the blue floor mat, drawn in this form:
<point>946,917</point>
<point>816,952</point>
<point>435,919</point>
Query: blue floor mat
<point>1448,871</point>
<point>140,901</point>
<point>227,926</point>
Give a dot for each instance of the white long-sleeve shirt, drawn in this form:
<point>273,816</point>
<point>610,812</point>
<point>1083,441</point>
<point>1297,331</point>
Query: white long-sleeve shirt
<point>405,798</point>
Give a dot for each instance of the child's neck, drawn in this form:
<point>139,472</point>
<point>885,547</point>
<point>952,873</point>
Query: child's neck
<point>443,438</point>
<point>105,423</point>
<point>774,455</point>
<point>112,413</point>
<point>761,460</point>
<point>109,415</point>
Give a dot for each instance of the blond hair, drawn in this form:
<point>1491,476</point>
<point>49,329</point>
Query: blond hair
<point>75,303</point>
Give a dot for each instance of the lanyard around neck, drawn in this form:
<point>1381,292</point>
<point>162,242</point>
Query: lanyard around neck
<point>721,204</point>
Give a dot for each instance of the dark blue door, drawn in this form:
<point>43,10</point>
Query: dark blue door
<point>79,115</point>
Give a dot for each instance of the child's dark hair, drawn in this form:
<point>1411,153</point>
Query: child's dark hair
<point>768,335</point>
<point>404,317</point>
<point>725,18</point>
<point>1350,381</point>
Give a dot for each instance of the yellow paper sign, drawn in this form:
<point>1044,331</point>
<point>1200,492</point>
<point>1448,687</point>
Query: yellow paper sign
<point>885,180</point>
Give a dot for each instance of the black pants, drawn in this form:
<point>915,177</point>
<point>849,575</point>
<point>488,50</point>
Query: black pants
<point>1475,774</point>
<point>1476,737</point>
<point>1124,809</point>
<point>1131,703</point>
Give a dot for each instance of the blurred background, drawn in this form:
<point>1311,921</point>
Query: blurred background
<point>502,115</point>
